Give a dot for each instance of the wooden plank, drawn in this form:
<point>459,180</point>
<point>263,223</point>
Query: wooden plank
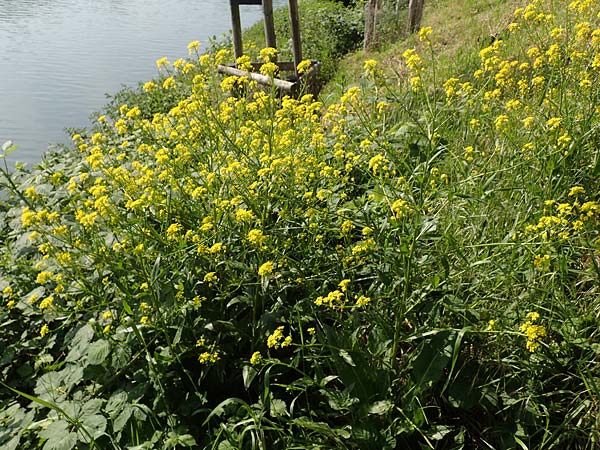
<point>287,86</point>
<point>270,38</point>
<point>296,40</point>
<point>236,27</point>
<point>247,2</point>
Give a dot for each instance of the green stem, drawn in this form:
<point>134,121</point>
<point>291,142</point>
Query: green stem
<point>401,310</point>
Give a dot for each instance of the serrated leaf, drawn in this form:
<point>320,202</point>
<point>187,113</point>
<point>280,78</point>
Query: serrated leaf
<point>47,386</point>
<point>225,445</point>
<point>115,404</point>
<point>94,425</point>
<point>120,356</point>
<point>98,352</point>
<point>79,343</point>
<point>121,420</point>
<point>67,442</point>
<point>187,440</point>
<point>278,408</point>
<point>380,408</point>
<point>91,407</point>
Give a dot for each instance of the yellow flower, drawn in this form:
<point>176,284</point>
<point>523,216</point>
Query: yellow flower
<point>162,62</point>
<point>576,190</point>
<point>491,325</point>
<point>266,269</point>
<point>193,47</point>
<point>424,33</point>
<point>211,277</point>
<point>276,339</point>
<point>243,215</point>
<point>256,358</point>
<point>208,357</point>
<point>168,83</point>
<point>362,301</point>
<point>534,333</point>
<point>47,303</point>
<point>269,69</point>
<point>370,67</point>
<point>44,330</point>
<point>268,54</point>
<point>304,66</point>
<point>217,248</point>
<point>400,208</point>
<point>553,123</point>
<point>44,277</point>
<point>173,231</point>
<point>344,284</point>
<point>256,237</point>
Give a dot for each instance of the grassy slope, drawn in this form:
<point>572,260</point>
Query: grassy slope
<point>463,27</point>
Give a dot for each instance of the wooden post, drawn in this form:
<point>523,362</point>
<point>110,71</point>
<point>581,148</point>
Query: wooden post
<point>236,23</point>
<point>296,43</point>
<point>270,38</point>
<point>415,14</point>
<point>370,21</point>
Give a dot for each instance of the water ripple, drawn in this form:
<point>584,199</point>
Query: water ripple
<point>58,58</point>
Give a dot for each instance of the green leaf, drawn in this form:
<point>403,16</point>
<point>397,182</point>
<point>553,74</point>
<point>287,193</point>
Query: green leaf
<point>431,361</point>
<point>225,445</point>
<point>121,420</point>
<point>58,436</point>
<point>95,425</point>
<point>248,374</point>
<point>115,404</point>
<point>98,352</point>
<point>278,408</point>
<point>79,343</point>
<point>346,356</point>
<point>380,408</point>
<point>91,407</point>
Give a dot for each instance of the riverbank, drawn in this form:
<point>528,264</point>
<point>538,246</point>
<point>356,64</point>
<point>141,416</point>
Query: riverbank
<point>213,266</point>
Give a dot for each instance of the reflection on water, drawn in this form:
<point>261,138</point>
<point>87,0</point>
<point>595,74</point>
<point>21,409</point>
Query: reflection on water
<point>59,57</point>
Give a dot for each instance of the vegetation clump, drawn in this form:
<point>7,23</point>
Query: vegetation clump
<point>415,265</point>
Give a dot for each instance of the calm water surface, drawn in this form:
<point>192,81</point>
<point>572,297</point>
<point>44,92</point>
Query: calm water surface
<point>58,58</point>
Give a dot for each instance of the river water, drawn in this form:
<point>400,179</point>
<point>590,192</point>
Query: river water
<point>58,58</point>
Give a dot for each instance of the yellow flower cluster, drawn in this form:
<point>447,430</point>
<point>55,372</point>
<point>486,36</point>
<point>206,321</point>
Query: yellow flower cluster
<point>533,332</point>
<point>566,219</point>
<point>277,340</point>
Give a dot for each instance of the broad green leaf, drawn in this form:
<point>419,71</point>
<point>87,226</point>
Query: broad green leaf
<point>91,407</point>
<point>115,404</point>
<point>380,408</point>
<point>95,425</point>
<point>248,374</point>
<point>225,445</point>
<point>79,343</point>
<point>67,442</point>
<point>278,408</point>
<point>98,352</point>
<point>121,420</point>
<point>186,440</point>
<point>433,358</point>
<point>58,436</point>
